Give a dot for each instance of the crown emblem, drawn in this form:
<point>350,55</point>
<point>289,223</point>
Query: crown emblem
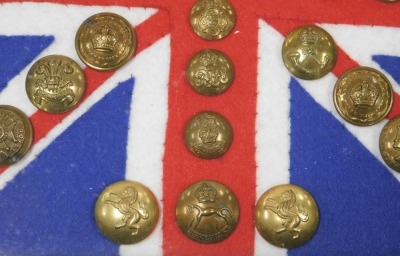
<point>205,194</point>
<point>364,95</point>
<point>105,39</point>
<point>208,59</point>
<point>309,36</point>
<point>212,4</point>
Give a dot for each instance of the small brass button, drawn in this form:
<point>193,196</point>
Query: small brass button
<point>212,19</point>
<point>210,72</point>
<point>389,143</point>
<point>309,52</point>
<point>363,96</point>
<point>15,134</point>
<point>208,135</point>
<point>105,41</point>
<point>207,212</point>
<point>286,216</point>
<point>55,84</point>
<point>126,212</point>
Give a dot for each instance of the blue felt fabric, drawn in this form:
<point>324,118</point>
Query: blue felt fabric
<point>389,63</point>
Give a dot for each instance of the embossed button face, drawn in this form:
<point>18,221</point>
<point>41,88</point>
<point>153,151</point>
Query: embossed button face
<point>126,212</point>
<point>207,212</point>
<point>309,52</point>
<point>15,134</point>
<point>389,143</point>
<point>286,216</point>
<point>363,96</point>
<point>210,72</point>
<point>105,41</point>
<point>212,19</point>
<point>55,84</point>
<point>208,135</point>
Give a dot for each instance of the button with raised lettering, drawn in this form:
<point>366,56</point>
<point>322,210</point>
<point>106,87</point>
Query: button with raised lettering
<point>389,143</point>
<point>207,212</point>
<point>126,212</point>
<point>286,216</point>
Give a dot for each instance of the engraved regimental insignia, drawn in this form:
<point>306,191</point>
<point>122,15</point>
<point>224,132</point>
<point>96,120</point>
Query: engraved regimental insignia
<point>389,143</point>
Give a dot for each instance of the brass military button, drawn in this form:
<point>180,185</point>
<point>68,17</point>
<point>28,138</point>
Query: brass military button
<point>55,84</point>
<point>105,41</point>
<point>389,143</point>
<point>210,72</point>
<point>212,19</point>
<point>126,212</point>
<point>208,135</point>
<point>286,216</point>
<point>207,212</point>
<point>309,52</point>
<point>15,134</point>
<point>363,96</point>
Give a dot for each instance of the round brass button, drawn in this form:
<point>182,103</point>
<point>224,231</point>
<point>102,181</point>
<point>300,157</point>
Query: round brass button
<point>286,216</point>
<point>309,52</point>
<point>212,19</point>
<point>210,72</point>
<point>105,41</point>
<point>126,212</point>
<point>389,143</point>
<point>207,212</point>
<point>55,84</point>
<point>208,135</point>
<point>363,96</point>
<point>15,134</point>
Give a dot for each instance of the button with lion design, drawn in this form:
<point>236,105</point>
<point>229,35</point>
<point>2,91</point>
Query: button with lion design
<point>286,216</point>
<point>126,212</point>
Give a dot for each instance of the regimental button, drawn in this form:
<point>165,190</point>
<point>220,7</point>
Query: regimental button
<point>309,52</point>
<point>105,41</point>
<point>15,134</point>
<point>207,212</point>
<point>212,19</point>
<point>286,216</point>
<point>389,143</point>
<point>208,135</point>
<point>210,72</point>
<point>55,84</point>
<point>363,96</point>
<point>126,212</point>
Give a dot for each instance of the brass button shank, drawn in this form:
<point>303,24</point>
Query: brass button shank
<point>389,143</point>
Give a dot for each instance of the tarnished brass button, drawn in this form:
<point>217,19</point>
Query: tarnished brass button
<point>286,216</point>
<point>208,135</point>
<point>105,41</point>
<point>126,212</point>
<point>55,84</point>
<point>15,134</point>
<point>389,143</point>
<point>207,212</point>
<point>309,52</point>
<point>210,72</point>
<point>212,19</point>
<point>363,96</point>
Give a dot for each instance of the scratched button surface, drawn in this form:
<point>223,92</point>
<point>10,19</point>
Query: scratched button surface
<point>309,52</point>
<point>126,212</point>
<point>207,212</point>
<point>286,216</point>
<point>389,143</point>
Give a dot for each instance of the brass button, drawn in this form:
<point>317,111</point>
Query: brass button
<point>105,41</point>
<point>389,1</point>
<point>210,72</point>
<point>389,143</point>
<point>286,216</point>
<point>309,52</point>
<point>15,134</point>
<point>126,212</point>
<point>207,212</point>
<point>363,96</point>
<point>212,19</point>
<point>208,135</point>
<point>55,84</point>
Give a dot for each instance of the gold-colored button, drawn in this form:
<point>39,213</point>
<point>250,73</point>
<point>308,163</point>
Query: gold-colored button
<point>15,134</point>
<point>389,1</point>
<point>105,41</point>
<point>363,96</point>
<point>55,84</point>
<point>208,135</point>
<point>212,19</point>
<point>207,212</point>
<point>126,212</point>
<point>286,216</point>
<point>309,52</point>
<point>210,72</point>
<point>389,143</point>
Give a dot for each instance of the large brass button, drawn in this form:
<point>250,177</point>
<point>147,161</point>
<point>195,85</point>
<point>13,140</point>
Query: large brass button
<point>389,143</point>
<point>126,212</point>
<point>286,216</point>
<point>207,212</point>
